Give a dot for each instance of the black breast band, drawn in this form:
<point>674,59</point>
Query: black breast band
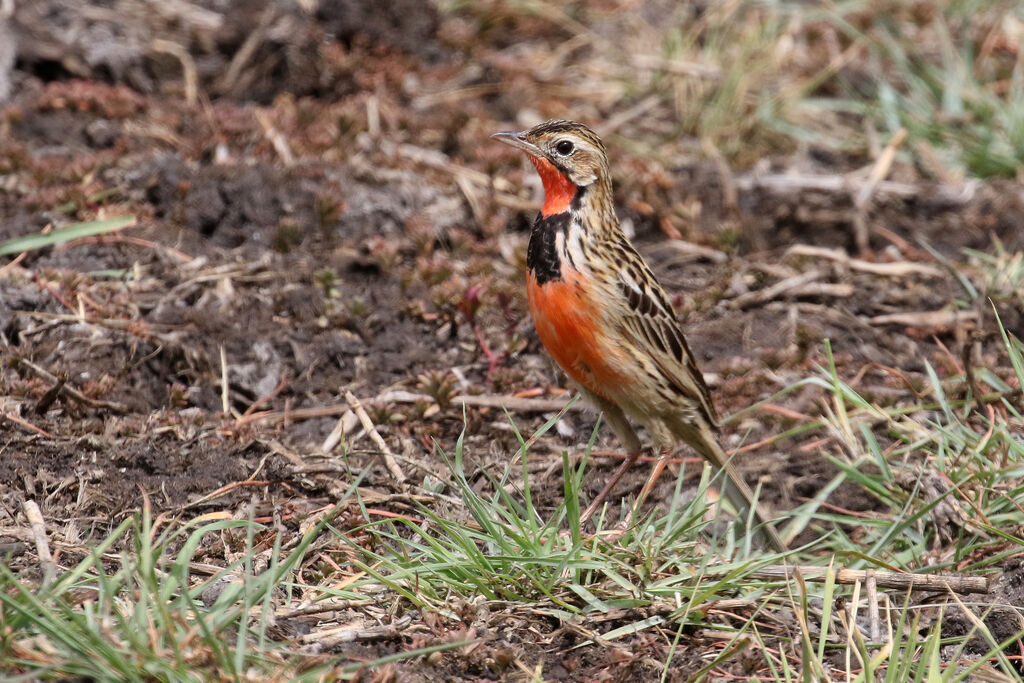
<point>542,254</point>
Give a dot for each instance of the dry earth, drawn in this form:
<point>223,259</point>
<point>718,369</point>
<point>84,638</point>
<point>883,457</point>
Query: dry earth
<point>328,217</point>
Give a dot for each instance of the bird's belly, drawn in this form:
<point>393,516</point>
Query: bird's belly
<point>569,323</point>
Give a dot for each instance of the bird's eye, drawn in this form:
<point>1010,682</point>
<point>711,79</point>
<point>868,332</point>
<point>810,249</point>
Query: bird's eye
<point>565,148</point>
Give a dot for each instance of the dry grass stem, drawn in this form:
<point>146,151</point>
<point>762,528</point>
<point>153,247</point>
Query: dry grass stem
<point>890,269</point>
<point>72,393</point>
<point>38,526</point>
<point>389,458</point>
<point>898,580</point>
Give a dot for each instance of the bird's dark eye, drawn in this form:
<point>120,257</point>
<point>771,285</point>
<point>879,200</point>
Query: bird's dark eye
<point>565,147</point>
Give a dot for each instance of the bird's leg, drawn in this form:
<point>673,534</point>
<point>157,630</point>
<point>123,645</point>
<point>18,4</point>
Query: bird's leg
<point>656,470</point>
<point>631,457</point>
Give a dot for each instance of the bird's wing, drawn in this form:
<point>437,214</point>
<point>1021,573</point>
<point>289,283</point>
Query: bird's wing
<point>650,324</point>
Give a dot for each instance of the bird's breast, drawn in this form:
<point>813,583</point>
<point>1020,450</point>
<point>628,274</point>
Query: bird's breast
<point>570,324</point>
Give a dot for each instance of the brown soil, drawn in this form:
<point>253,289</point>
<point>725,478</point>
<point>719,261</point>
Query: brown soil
<point>363,268</point>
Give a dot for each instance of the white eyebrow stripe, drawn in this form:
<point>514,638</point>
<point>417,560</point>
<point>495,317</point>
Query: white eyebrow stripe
<point>584,145</point>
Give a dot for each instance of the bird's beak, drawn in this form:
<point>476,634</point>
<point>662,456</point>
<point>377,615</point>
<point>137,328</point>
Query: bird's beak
<point>518,140</point>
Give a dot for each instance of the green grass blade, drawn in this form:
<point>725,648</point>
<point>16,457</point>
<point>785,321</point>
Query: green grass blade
<point>18,245</point>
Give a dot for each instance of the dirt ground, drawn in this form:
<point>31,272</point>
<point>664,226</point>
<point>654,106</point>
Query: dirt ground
<point>330,216</point>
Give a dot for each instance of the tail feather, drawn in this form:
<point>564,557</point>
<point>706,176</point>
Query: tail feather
<point>735,488</point>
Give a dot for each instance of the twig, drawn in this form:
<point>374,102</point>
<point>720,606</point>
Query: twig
<point>389,457</point>
<point>453,95</point>
<point>500,187</point>
<point>848,618</point>
<point>26,424</point>
<point>785,183</point>
<point>35,520</point>
<point>345,423</point>
<point>373,117</point>
<point>730,196</point>
<point>871,587</point>
<point>225,404</point>
<point>893,269</point>
<point>692,251</point>
<point>177,254</point>
<point>18,532</point>
<point>941,318</point>
<point>248,49</point>
<point>17,259</point>
<point>277,140</point>
<point>155,131</point>
<point>139,328</point>
<point>188,66</point>
<point>833,289</point>
<point>623,117</point>
<point>781,287</point>
<point>72,393</point>
<point>675,66</point>
<point>897,580</point>
<point>188,13</point>
<point>472,198</point>
<point>878,172</point>
<point>513,404</point>
<point>326,606</point>
<point>44,403</point>
<point>784,412</point>
<point>227,488</point>
<point>880,169</point>
<point>294,414</point>
<point>266,398</point>
<point>442,162</point>
<point>331,637</point>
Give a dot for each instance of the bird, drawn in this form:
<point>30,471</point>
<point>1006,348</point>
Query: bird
<point>607,322</point>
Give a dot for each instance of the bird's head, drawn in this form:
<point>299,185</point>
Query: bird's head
<point>569,158</point>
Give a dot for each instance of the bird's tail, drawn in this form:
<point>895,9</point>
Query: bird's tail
<point>735,488</point>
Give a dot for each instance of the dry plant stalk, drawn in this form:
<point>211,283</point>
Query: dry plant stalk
<point>70,392</point>
<point>389,458</point>
<point>38,526</point>
<point>897,580</point>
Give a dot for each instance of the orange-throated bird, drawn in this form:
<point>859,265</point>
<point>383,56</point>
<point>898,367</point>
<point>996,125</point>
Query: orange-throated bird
<point>607,322</point>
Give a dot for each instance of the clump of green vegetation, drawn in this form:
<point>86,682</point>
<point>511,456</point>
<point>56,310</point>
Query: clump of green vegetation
<point>750,79</point>
<point>683,566</point>
<point>287,236</point>
<point>951,73</point>
<point>438,385</point>
<point>142,614</point>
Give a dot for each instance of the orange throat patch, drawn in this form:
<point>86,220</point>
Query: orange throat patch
<point>559,191</point>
